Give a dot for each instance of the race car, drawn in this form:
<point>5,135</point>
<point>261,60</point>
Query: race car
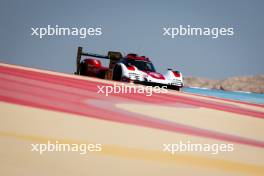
<point>130,68</point>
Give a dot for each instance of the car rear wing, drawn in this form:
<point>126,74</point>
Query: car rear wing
<point>112,55</point>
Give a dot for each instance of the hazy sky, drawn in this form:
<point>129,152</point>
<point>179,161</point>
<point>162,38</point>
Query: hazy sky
<point>136,26</point>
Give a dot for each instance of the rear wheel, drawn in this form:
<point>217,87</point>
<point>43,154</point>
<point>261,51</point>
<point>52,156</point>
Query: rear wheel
<point>117,73</point>
<point>101,74</point>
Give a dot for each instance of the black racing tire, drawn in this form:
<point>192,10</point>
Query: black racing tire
<point>101,74</point>
<point>177,88</point>
<point>117,73</point>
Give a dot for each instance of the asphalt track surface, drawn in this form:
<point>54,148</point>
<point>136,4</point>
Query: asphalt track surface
<point>38,105</point>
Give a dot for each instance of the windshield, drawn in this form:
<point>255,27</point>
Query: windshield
<point>142,65</point>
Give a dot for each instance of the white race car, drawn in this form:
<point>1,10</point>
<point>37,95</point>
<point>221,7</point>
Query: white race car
<point>131,68</point>
<point>139,69</point>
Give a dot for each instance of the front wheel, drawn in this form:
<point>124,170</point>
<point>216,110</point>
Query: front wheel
<point>177,88</point>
